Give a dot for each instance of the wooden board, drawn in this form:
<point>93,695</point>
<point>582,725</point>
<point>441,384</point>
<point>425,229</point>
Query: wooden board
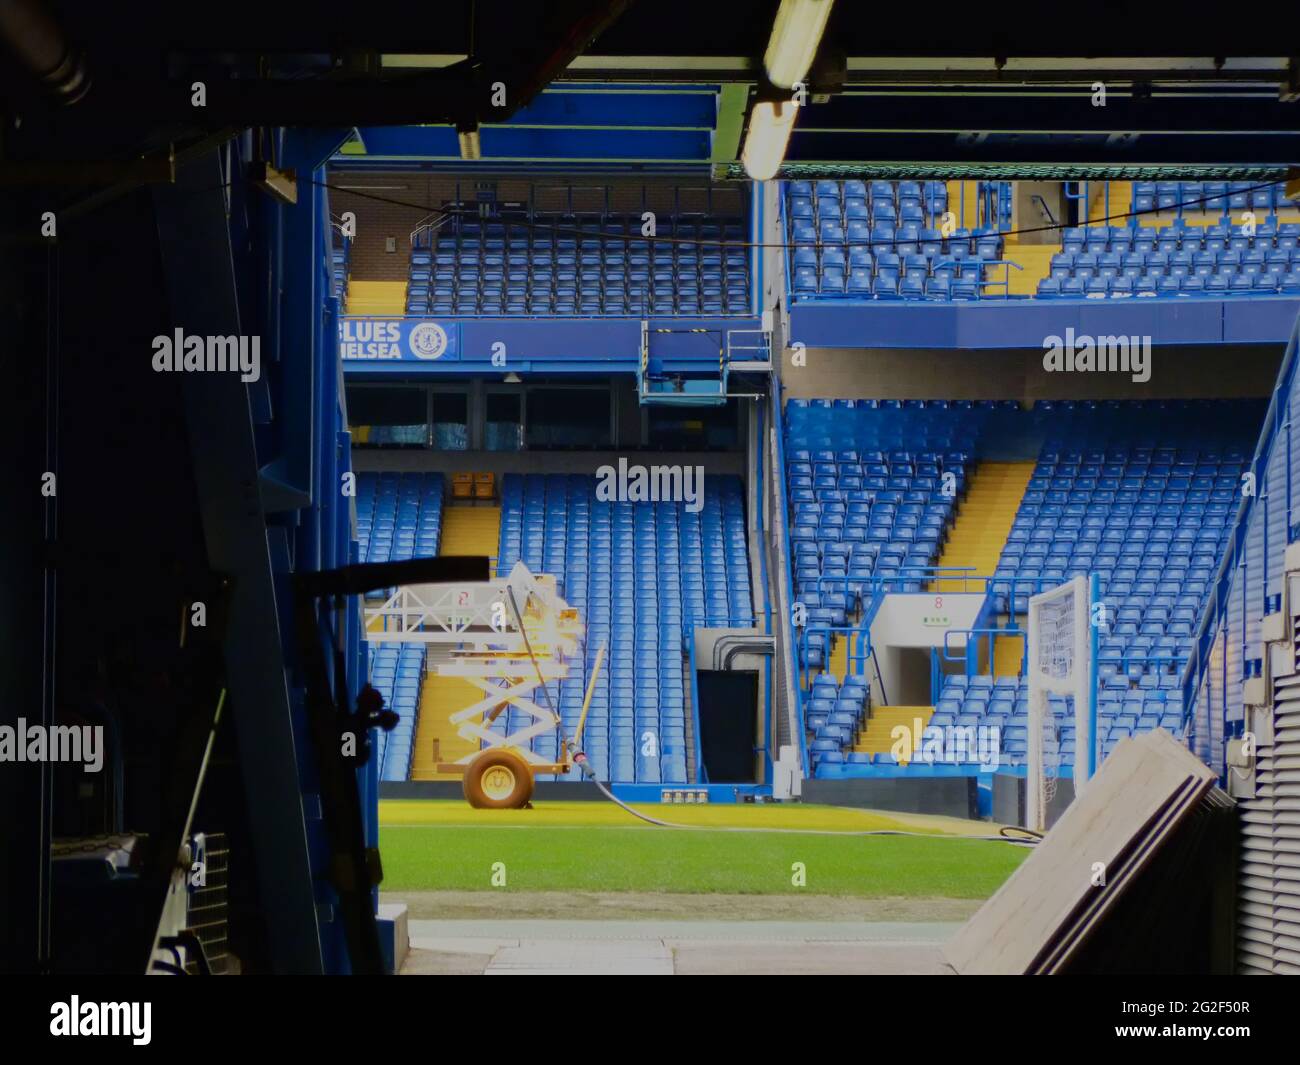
<point>1036,920</point>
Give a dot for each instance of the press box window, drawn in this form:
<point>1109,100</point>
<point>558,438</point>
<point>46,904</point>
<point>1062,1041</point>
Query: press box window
<point>503,429</point>
<point>451,421</point>
<point>388,417</point>
<point>568,418</point>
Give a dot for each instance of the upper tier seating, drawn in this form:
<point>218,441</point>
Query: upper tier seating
<point>1217,260</point>
<point>1210,197</point>
<point>399,515</point>
<point>640,574</point>
<point>397,673</point>
<point>340,265</point>
<point>560,264</point>
<point>881,240</point>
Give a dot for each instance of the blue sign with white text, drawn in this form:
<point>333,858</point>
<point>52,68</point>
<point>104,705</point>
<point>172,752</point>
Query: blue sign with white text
<point>404,339</point>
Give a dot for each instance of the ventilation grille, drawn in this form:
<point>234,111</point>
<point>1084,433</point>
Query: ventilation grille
<point>1268,906</point>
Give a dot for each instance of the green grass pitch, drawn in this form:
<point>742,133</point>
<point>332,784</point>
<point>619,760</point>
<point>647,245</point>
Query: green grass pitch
<point>596,847</point>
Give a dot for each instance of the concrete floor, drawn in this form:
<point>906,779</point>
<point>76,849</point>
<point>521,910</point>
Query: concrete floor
<point>665,948</point>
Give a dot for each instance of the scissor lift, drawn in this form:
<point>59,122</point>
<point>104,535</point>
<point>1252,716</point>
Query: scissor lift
<point>511,636</point>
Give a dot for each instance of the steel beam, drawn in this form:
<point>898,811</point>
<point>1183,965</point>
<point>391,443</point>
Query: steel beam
<point>953,150</point>
<point>194,241</point>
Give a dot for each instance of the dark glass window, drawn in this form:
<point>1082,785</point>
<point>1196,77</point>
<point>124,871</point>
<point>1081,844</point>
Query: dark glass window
<point>568,418</point>
<point>451,421</point>
<point>693,428</point>
<point>503,428</point>
<point>388,416</point>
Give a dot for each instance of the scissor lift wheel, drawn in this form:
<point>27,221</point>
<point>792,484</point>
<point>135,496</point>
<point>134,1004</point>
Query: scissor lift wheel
<point>498,780</point>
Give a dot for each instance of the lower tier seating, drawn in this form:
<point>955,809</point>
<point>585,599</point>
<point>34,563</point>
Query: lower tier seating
<point>1143,495</point>
<point>397,673</point>
<point>641,575</point>
<point>399,515</point>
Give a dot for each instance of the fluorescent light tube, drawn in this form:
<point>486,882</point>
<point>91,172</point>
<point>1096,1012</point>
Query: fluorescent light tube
<point>795,36</point>
<point>769,133</point>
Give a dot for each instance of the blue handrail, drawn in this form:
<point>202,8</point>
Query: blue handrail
<point>782,509</point>
<point>787,273</point>
<point>971,646</point>
<point>757,474</point>
<point>1235,558</point>
<point>701,774</point>
<point>1005,283</point>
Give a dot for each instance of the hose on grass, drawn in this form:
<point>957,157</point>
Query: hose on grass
<point>584,763</point>
<point>1028,839</point>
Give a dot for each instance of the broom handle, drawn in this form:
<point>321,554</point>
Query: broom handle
<point>591,689</point>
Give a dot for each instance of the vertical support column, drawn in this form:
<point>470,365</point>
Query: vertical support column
<point>1090,763</point>
<point>195,247</point>
<point>757,196</point>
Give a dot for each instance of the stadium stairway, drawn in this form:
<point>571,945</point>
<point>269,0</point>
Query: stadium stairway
<point>470,530</point>
<point>466,530</point>
<point>984,519</point>
<point>1035,262</point>
<point>965,208</point>
<point>386,298</point>
<point>1008,654</point>
<point>839,661</point>
<point>878,738</point>
<point>436,738</point>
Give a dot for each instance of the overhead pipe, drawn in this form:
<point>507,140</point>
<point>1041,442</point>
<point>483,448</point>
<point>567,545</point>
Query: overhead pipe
<point>458,94</point>
<point>30,33</point>
<point>737,644</point>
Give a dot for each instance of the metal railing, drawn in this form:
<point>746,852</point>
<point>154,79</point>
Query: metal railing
<point>780,574</point>
<point>688,640</point>
<point>1005,283</point>
<point>1227,647</point>
<point>970,649</point>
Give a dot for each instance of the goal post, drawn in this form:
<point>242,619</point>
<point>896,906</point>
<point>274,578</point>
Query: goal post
<point>1062,661</point>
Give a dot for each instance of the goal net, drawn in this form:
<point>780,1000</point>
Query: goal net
<point>1062,670</point>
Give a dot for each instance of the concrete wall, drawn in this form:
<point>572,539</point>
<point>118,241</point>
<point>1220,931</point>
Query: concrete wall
<point>1009,799</point>
<point>1026,214</point>
<point>1176,373</point>
<point>949,796</point>
<point>904,630</point>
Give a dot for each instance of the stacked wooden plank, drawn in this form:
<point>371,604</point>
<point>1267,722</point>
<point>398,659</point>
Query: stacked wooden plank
<point>1134,877</point>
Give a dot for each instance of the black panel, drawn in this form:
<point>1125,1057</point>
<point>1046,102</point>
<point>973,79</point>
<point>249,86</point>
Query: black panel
<point>728,712</point>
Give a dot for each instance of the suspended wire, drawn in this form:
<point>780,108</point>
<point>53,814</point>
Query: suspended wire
<point>532,226</point>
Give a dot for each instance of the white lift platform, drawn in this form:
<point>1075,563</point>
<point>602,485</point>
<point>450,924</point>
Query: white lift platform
<point>510,636</point>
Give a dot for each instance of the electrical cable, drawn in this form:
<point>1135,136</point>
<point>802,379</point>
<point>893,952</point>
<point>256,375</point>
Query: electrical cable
<point>742,244</point>
<point>584,763</point>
